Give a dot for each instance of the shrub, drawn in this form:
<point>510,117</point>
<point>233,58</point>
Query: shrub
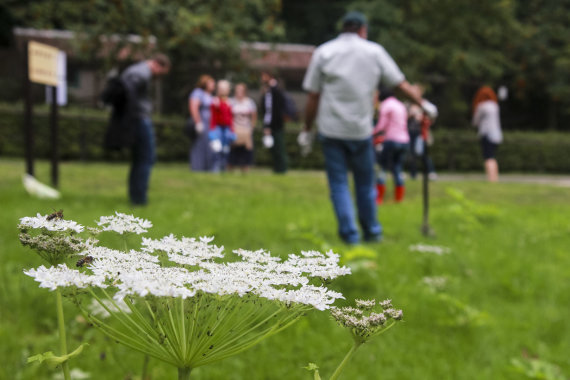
<point>81,137</point>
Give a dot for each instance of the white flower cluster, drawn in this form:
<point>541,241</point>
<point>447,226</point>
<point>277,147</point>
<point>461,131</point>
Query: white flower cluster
<point>194,266</point>
<point>429,249</point>
<point>123,223</point>
<point>362,320</point>
<point>54,224</point>
<point>186,251</point>
<point>317,265</point>
<point>365,304</point>
<point>62,276</point>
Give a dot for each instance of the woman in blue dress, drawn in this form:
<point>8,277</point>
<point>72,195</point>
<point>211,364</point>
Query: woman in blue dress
<point>201,155</point>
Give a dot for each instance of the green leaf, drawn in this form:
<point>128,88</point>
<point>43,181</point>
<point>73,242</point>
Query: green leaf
<point>53,361</point>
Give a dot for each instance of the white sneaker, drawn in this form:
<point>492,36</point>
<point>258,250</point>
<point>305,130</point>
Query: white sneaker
<point>432,176</point>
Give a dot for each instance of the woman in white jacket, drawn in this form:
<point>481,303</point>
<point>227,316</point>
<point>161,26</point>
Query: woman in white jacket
<point>486,118</point>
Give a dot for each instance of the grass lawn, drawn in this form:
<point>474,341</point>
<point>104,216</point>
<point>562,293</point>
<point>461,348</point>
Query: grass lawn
<point>494,306</point>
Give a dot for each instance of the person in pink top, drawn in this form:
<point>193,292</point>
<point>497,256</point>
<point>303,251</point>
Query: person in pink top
<point>393,123</point>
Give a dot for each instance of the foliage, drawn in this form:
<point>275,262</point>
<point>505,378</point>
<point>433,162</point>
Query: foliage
<point>193,28</point>
<point>543,57</point>
<point>454,46</point>
<point>470,214</point>
<point>81,136</point>
<point>197,35</point>
<point>534,368</point>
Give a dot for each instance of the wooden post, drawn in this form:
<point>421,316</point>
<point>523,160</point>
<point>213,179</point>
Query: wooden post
<point>54,139</point>
<point>28,112</point>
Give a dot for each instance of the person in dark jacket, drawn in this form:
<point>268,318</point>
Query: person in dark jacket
<point>137,80</point>
<point>273,106</point>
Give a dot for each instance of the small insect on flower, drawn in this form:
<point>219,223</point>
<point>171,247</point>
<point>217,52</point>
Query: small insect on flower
<point>56,214</point>
<point>84,260</point>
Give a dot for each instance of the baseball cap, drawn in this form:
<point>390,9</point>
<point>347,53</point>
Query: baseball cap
<point>354,18</point>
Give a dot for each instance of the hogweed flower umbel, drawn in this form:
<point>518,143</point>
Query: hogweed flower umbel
<point>123,223</point>
<point>55,240</point>
<point>187,304</point>
<point>364,323</point>
<point>49,223</point>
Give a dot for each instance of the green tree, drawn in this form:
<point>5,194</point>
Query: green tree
<point>452,46</point>
<point>196,34</point>
<point>542,74</point>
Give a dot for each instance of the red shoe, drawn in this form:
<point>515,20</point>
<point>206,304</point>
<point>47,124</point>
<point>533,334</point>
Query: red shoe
<point>399,193</point>
<point>380,190</point>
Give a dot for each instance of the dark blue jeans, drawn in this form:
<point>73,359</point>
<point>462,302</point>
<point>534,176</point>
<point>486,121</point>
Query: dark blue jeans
<point>226,137</point>
<point>143,157</point>
<point>392,158</point>
<point>358,156</point>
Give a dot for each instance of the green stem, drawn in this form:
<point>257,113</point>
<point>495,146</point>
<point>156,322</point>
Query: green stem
<point>62,338</point>
<point>340,367</point>
<point>145,367</point>
<point>125,244</point>
<point>184,373</point>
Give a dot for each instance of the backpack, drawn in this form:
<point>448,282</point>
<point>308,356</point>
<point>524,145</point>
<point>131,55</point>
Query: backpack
<point>115,93</point>
<point>120,130</point>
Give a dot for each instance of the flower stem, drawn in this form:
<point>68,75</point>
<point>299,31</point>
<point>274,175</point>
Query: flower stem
<point>145,367</point>
<point>125,243</point>
<point>184,373</point>
<point>62,338</point>
<point>340,367</point>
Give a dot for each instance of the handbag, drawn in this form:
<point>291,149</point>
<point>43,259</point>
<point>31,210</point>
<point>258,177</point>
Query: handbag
<point>190,129</point>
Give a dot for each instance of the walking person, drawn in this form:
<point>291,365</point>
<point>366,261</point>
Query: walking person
<point>393,123</point>
<point>137,81</point>
<point>199,102</point>
<point>341,81</point>
<point>244,114</point>
<point>273,105</point>
<point>486,118</point>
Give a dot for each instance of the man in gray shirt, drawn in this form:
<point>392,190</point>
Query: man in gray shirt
<point>341,80</point>
<point>137,79</point>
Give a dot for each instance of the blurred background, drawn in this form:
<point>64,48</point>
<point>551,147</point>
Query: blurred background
<point>519,48</point>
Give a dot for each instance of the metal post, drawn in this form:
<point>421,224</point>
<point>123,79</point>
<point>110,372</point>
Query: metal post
<point>28,111</point>
<point>426,229</point>
<point>54,139</point>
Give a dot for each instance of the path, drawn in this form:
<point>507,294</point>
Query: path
<point>557,180</point>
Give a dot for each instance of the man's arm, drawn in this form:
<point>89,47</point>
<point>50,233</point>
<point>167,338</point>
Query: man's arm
<point>311,109</point>
<point>414,94</point>
<point>410,92</point>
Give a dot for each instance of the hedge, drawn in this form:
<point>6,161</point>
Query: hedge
<point>81,136</point>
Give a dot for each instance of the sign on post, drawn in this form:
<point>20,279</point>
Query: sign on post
<point>46,65</point>
<point>61,81</point>
<point>42,63</point>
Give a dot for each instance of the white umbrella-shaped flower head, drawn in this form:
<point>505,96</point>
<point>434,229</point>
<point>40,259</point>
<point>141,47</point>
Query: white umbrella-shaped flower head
<point>123,224</point>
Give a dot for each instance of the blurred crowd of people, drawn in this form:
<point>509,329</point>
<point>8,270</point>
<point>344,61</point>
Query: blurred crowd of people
<point>224,125</point>
<point>343,77</point>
